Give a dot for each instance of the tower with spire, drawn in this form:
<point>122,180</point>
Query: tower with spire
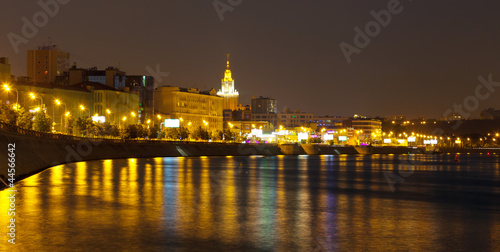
<point>227,90</point>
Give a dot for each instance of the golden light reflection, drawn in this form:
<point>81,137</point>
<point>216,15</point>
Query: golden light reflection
<point>107,181</point>
<point>81,179</point>
<point>230,205</point>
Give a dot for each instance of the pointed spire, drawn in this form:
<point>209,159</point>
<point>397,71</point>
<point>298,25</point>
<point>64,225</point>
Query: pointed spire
<point>228,61</point>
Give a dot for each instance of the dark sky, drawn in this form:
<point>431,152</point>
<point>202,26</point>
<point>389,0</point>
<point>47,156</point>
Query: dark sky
<point>427,58</point>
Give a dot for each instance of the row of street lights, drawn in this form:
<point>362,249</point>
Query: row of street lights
<point>57,102</point>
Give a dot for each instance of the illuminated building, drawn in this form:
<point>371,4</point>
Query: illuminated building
<point>95,98</point>
<point>366,128</point>
<point>289,119</point>
<point>194,107</point>
<point>46,63</point>
<point>114,78</point>
<point>5,71</point>
<point>264,105</point>
<point>227,91</point>
<point>328,122</point>
<point>271,118</point>
<point>245,127</point>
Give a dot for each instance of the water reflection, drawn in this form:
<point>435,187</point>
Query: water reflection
<point>299,203</point>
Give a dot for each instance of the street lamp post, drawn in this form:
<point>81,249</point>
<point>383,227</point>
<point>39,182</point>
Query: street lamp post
<point>82,108</point>
<point>59,103</point>
<point>34,96</point>
<point>7,88</point>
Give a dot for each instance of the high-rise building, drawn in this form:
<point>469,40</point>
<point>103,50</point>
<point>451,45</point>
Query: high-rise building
<point>264,105</point>
<point>46,63</point>
<point>5,71</point>
<point>227,91</point>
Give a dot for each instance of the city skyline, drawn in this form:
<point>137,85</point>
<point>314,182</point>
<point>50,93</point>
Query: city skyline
<point>275,54</point>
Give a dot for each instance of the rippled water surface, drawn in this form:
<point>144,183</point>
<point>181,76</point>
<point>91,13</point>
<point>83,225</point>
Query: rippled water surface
<point>284,203</point>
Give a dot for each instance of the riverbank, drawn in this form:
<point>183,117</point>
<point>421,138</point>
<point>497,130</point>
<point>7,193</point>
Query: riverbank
<point>34,153</point>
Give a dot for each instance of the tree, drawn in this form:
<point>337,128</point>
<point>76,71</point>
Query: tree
<point>41,122</point>
<point>109,129</point>
<point>7,114</point>
<point>315,140</point>
<point>153,131</point>
<point>134,131</point>
<point>200,133</point>
<point>84,125</point>
<point>172,133</point>
<point>24,118</point>
<point>217,135</point>
<point>184,133</point>
<point>228,135</point>
<point>69,123</point>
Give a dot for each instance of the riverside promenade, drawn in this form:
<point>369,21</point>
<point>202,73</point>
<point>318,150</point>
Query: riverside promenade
<point>36,151</point>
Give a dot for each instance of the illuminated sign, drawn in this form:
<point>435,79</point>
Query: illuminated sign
<point>99,119</point>
<point>387,140</point>
<point>327,137</point>
<point>401,141</point>
<point>434,141</point>
<point>342,138</point>
<point>283,132</point>
<point>458,141</point>
<point>256,132</point>
<point>411,139</point>
<point>172,123</point>
<point>427,141</point>
<point>302,136</point>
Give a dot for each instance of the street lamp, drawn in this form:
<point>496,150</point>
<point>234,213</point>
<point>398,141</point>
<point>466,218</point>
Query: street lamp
<point>82,108</point>
<point>34,96</point>
<point>59,103</point>
<point>7,88</point>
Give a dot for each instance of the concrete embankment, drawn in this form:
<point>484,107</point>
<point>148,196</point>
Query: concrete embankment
<point>36,151</point>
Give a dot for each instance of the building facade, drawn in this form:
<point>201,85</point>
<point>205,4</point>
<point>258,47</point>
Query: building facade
<point>114,78</point>
<point>193,107</point>
<point>47,63</point>
<point>80,100</point>
<point>5,71</point>
<point>367,128</point>
<point>227,91</point>
<point>264,105</point>
<point>289,119</point>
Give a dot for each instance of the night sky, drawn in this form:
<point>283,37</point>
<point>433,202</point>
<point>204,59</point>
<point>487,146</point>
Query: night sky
<point>427,58</point>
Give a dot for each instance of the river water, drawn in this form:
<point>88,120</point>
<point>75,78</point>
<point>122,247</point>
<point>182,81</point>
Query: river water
<point>281,203</point>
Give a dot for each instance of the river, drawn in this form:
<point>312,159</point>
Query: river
<point>260,203</point>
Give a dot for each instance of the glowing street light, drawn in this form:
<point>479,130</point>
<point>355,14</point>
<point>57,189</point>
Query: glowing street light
<point>58,103</point>
<point>7,88</point>
<point>34,96</point>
